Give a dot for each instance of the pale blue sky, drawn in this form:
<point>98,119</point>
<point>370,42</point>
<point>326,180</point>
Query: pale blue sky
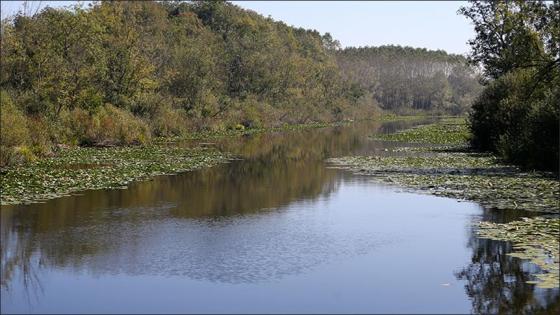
<point>429,24</point>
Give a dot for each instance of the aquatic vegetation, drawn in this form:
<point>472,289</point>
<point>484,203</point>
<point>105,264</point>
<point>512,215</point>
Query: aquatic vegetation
<point>469,176</point>
<point>79,169</point>
<point>446,131</point>
<point>83,168</point>
<point>389,117</point>
<point>451,169</point>
<point>535,239</point>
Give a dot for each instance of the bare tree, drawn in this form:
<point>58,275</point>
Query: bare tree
<point>31,8</point>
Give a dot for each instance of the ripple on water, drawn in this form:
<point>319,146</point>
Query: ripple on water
<point>240,249</point>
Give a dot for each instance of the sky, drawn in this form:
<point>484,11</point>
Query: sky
<point>428,24</point>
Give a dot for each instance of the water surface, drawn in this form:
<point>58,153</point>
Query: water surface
<point>276,231</point>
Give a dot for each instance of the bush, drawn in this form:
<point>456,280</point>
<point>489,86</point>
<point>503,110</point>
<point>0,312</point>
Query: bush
<point>517,118</point>
<point>167,121</point>
<point>14,134</point>
<point>106,126</point>
<point>40,132</point>
<point>537,146</point>
<point>252,112</point>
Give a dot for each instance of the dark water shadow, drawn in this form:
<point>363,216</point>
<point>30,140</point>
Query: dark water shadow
<point>496,282</point>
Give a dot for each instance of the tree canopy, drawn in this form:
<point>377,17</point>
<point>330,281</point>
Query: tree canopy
<point>518,113</point>
<point>405,78</point>
<point>166,67</point>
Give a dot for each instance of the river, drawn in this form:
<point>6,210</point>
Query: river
<point>276,231</point>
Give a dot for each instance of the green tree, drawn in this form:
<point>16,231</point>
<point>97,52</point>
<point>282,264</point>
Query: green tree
<point>517,115</point>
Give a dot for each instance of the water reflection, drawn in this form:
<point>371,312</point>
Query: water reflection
<point>275,213</point>
<point>275,170</point>
<point>496,282</point>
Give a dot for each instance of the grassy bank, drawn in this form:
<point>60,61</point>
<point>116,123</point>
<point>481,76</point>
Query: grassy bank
<point>436,159</point>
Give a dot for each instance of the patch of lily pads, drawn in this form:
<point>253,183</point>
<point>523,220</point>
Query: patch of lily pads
<point>81,168</point>
<point>441,163</point>
<point>534,239</point>
<point>469,176</point>
<point>447,131</point>
<point>78,169</point>
<point>390,117</point>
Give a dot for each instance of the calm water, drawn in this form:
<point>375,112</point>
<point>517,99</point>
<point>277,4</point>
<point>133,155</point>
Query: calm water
<point>275,232</point>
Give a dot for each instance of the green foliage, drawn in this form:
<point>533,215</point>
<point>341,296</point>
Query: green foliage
<point>518,113</point>
<point>167,122</point>
<point>201,65</point>
<point>403,79</point>
<point>521,128</point>
<point>14,135</point>
<point>448,131</point>
<point>40,133</point>
<point>107,126</point>
<point>512,34</point>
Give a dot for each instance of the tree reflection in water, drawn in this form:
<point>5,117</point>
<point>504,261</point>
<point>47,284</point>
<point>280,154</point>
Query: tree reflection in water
<point>496,282</point>
<point>276,170</point>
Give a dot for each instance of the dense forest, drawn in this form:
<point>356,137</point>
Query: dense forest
<point>405,79</point>
<point>123,72</point>
<point>120,73</point>
<point>517,115</point>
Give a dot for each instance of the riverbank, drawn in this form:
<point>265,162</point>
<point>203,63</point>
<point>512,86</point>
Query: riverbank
<point>75,169</point>
<point>436,159</point>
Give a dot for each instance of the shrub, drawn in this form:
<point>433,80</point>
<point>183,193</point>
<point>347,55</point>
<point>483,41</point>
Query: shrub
<point>72,126</point>
<point>544,133</point>
<point>40,132</point>
<point>167,121</point>
<point>517,117</point>
<point>107,125</point>
<point>14,134</point>
<point>251,113</point>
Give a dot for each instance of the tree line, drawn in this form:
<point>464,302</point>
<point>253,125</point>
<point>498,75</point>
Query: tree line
<point>120,73</point>
<point>517,115</point>
<point>406,79</point>
<point>123,72</point>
